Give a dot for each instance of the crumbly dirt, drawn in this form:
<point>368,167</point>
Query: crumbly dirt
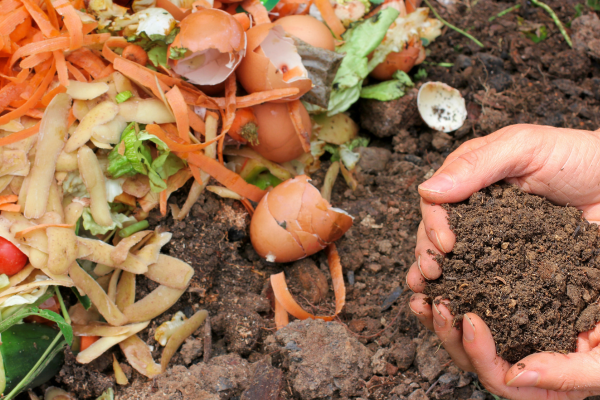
<point>527,267</point>
<point>510,80</point>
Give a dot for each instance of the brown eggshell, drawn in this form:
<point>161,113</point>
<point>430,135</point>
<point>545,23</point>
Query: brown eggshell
<point>285,202</point>
<point>277,137</point>
<point>403,61</point>
<point>327,223</point>
<point>270,239</point>
<point>299,207</point>
<point>308,29</point>
<point>256,73</point>
<point>211,29</point>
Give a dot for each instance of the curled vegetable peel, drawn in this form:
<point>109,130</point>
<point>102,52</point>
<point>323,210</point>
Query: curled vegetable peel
<point>285,303</point>
<point>293,221</point>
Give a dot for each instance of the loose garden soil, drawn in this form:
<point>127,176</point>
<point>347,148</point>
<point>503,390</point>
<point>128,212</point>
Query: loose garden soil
<point>529,268</point>
<point>377,349</point>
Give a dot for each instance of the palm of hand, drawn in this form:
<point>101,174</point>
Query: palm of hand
<point>559,164</point>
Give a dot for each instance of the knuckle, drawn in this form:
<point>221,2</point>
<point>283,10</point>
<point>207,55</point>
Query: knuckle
<point>471,159</point>
<point>565,384</point>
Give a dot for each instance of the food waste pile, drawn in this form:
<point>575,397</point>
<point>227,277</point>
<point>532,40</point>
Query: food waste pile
<point>109,108</point>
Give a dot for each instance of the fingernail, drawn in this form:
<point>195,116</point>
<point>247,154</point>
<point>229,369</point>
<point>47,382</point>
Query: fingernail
<point>468,330</point>
<point>438,318</point>
<point>419,266</point>
<point>413,311</point>
<point>406,280</point>
<point>525,379</point>
<point>437,239</point>
<point>440,183</point>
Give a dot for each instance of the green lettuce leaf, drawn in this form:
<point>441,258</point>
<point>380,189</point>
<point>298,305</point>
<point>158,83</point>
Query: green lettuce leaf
<point>95,229</point>
<point>138,159</point>
<point>177,53</point>
<point>158,56</point>
<point>388,90</point>
<point>264,180</point>
<point>155,45</point>
<point>359,41</point>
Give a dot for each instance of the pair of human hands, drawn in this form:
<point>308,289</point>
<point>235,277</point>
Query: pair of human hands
<point>559,164</point>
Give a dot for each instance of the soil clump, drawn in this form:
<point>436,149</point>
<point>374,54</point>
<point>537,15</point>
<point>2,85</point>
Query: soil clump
<point>529,268</point>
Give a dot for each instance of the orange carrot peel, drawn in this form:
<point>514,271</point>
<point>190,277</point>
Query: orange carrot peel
<point>42,226</point>
<point>284,297</point>
<point>302,131</point>
<point>226,177</point>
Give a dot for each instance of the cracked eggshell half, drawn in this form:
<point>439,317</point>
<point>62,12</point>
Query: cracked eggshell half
<point>441,106</point>
<point>216,44</point>
<point>272,62</point>
<point>293,221</point>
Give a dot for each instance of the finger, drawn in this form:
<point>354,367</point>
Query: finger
<point>591,213</point>
<point>483,166</point>
<point>559,372</point>
<point>466,147</point>
<point>421,309</point>
<point>450,335</point>
<point>435,221</point>
<point>426,252</point>
<point>491,368</point>
<point>415,280</point>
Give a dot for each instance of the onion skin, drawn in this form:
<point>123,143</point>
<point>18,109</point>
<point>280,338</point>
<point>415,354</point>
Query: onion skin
<point>293,221</point>
<point>400,61</point>
<point>277,137</point>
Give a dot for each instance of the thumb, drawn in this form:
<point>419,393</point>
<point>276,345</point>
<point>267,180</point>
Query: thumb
<point>508,153</point>
<point>559,372</point>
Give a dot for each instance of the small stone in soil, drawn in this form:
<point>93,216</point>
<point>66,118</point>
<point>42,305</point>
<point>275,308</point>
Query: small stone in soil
<point>430,358</point>
<point>321,369</point>
<point>403,352</point>
<point>266,383</point>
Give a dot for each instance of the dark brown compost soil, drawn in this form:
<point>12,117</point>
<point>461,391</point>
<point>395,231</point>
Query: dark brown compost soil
<point>527,267</point>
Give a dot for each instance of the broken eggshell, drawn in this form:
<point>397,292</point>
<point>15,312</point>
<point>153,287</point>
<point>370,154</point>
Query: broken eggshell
<point>216,44</point>
<point>293,221</point>
<point>441,106</point>
<point>272,62</point>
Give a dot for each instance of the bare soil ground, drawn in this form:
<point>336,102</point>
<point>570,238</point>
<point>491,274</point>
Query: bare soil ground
<point>376,350</point>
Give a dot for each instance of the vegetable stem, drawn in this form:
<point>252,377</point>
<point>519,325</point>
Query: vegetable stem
<point>554,17</point>
<point>64,310</point>
<point>33,370</point>
<point>131,229</point>
<point>504,12</point>
<point>449,25</point>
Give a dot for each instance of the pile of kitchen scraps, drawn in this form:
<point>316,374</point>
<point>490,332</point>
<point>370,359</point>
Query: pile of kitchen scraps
<point>107,109</point>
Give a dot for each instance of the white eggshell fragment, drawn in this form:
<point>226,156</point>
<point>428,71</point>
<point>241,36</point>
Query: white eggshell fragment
<point>441,106</point>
